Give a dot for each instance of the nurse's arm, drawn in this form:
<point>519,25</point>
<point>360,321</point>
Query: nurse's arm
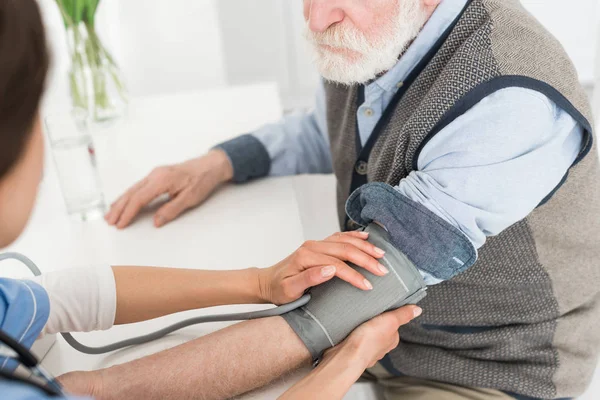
<point>144,293</point>
<point>86,299</point>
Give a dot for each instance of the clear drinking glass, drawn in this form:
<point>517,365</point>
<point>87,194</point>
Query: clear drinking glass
<point>75,160</point>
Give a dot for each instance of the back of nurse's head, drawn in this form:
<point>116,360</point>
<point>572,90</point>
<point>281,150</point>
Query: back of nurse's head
<point>23,67</point>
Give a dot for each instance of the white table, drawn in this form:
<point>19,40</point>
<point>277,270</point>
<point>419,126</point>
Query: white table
<point>249,225</point>
<point>284,212</point>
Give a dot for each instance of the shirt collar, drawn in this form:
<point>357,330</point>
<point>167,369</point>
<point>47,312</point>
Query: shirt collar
<point>440,20</point>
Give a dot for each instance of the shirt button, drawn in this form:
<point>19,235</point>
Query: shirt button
<point>361,167</point>
<point>369,112</point>
<point>399,85</point>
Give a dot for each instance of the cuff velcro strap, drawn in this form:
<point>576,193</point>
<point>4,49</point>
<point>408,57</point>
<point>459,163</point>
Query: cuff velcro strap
<point>432,244</point>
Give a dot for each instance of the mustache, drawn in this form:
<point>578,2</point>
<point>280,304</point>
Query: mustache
<point>342,37</point>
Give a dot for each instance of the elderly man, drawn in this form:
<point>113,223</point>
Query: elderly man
<point>446,122</point>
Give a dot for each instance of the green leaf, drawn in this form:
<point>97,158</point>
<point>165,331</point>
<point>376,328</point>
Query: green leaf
<point>91,8</point>
<point>77,11</point>
<point>65,7</point>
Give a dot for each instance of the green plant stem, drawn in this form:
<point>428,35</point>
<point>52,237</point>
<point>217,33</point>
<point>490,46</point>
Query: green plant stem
<point>77,70</point>
<point>89,56</point>
<point>112,66</point>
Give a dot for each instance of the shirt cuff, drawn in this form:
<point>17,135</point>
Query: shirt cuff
<point>432,244</point>
<point>249,158</point>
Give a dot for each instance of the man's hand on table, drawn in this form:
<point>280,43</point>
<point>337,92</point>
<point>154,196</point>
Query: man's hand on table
<point>188,184</point>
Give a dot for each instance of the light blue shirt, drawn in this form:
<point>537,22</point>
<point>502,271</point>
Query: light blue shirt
<point>24,310</point>
<point>485,171</point>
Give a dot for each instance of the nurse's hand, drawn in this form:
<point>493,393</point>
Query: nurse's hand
<point>371,341</point>
<point>344,364</point>
<point>188,184</point>
<point>316,262</point>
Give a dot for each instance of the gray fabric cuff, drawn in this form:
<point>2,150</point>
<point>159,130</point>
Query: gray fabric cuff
<point>431,243</point>
<point>249,158</point>
<point>310,331</point>
<point>336,308</point>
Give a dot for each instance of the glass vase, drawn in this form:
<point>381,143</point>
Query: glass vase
<point>95,81</point>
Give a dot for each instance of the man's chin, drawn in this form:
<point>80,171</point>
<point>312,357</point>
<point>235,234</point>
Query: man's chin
<point>347,74</point>
<point>340,69</point>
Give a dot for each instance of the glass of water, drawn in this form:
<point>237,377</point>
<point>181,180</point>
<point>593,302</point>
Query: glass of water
<point>75,160</point>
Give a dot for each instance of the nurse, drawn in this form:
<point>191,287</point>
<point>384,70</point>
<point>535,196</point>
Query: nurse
<point>87,299</point>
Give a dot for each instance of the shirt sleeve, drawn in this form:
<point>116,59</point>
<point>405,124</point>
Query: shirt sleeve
<point>24,310</point>
<point>298,144</point>
<point>485,171</point>
<point>20,391</point>
<point>81,299</point>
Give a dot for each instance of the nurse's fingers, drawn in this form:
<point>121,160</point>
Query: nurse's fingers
<point>311,260</point>
<point>346,251</point>
<point>294,286</point>
<point>358,242</point>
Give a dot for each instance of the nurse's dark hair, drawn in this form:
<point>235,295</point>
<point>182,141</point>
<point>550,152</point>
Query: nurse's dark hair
<point>24,63</point>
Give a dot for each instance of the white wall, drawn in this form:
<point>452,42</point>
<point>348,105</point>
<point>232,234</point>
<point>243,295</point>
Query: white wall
<point>175,45</point>
<point>263,40</point>
<point>169,46</point>
<point>161,46</point>
<point>574,23</point>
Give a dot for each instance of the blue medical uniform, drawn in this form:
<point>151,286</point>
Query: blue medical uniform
<point>24,310</point>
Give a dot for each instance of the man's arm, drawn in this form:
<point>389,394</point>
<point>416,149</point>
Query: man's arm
<point>487,170</point>
<point>221,365</point>
<point>298,144</point>
<point>479,175</point>
<point>241,358</point>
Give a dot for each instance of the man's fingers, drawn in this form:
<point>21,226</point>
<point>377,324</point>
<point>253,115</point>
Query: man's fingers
<point>172,209</point>
<point>139,199</point>
<point>117,207</point>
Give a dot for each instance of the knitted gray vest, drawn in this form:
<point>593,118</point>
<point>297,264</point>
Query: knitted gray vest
<point>524,318</point>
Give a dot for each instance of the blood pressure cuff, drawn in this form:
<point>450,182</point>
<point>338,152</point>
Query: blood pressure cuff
<point>336,308</point>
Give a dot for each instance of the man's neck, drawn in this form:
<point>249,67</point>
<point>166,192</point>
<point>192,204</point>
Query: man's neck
<point>430,11</point>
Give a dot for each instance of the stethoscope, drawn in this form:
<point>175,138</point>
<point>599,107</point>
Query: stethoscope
<point>38,378</point>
